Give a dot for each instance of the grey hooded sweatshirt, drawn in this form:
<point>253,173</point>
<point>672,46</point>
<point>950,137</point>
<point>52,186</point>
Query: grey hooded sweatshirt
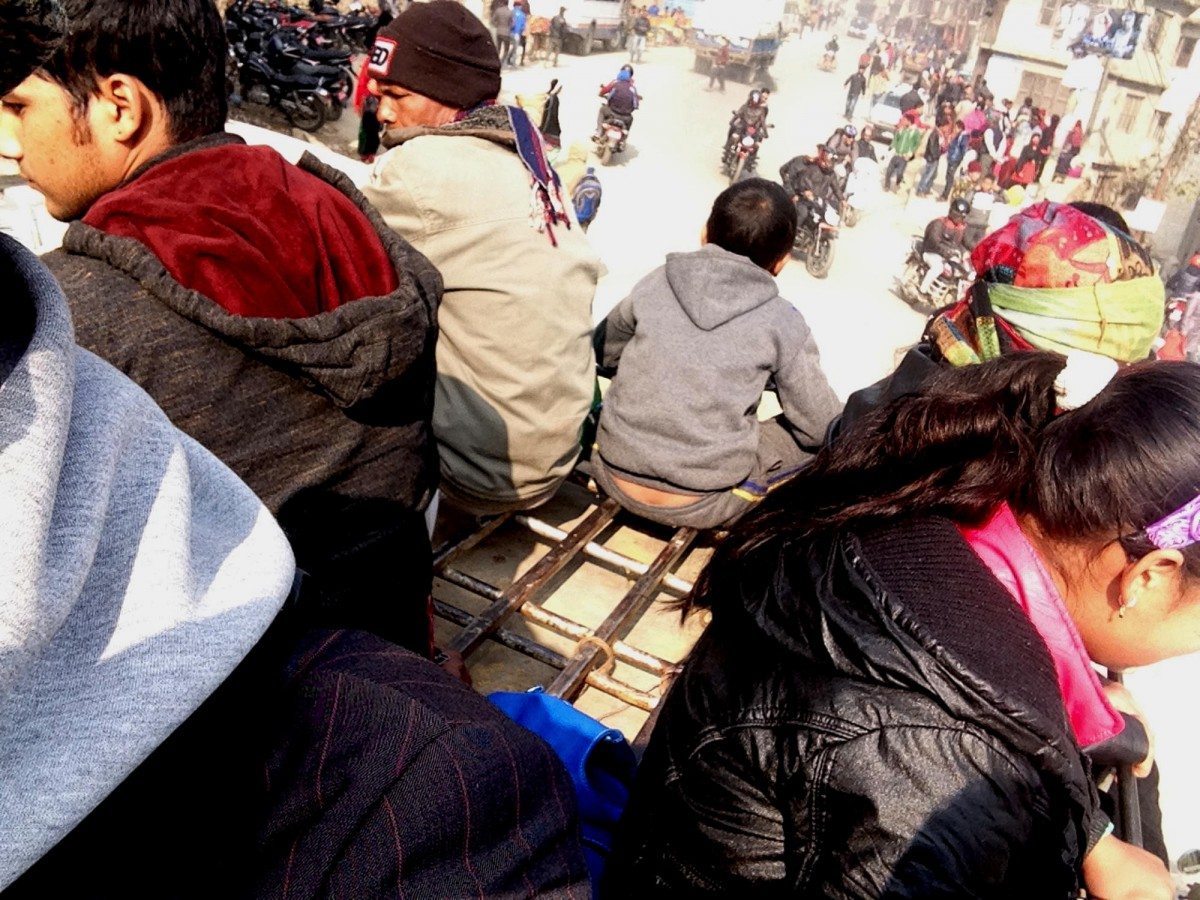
<point>136,571</point>
<point>695,344</point>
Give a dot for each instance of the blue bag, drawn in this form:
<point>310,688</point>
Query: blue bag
<point>586,198</point>
<point>599,760</point>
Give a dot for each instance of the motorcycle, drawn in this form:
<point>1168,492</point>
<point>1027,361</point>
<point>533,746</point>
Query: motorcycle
<point>951,284</point>
<point>611,139</point>
<point>740,158</point>
<point>291,57</point>
<point>815,235</point>
<point>303,99</point>
<point>861,190</point>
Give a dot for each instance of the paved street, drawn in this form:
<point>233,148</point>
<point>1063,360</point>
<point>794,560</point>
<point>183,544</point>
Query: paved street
<point>658,193</point>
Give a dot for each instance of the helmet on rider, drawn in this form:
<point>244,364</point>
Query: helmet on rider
<point>850,131</point>
<point>755,98</point>
<point>959,208</point>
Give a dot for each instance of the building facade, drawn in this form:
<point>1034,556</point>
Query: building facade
<point>1132,109</point>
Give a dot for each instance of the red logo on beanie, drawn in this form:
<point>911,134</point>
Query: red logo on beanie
<point>381,56</point>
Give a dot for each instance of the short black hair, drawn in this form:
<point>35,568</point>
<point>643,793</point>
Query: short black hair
<point>754,218</point>
<point>176,48</point>
<point>29,32</point>
<point>1102,213</point>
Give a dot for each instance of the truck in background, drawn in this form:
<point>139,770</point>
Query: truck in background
<point>591,24</point>
<point>754,29</point>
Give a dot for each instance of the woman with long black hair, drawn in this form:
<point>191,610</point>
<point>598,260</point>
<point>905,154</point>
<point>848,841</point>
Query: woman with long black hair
<point>896,693</point>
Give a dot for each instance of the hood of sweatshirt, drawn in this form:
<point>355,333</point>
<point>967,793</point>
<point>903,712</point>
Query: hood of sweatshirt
<point>294,265</point>
<point>136,572</point>
<point>242,225</point>
<point>714,286</point>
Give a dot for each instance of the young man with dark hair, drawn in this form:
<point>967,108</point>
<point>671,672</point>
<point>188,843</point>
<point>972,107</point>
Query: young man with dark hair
<point>264,306</point>
<point>693,347</point>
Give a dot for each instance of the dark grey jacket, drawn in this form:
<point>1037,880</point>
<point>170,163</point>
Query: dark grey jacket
<point>867,716</point>
<point>326,418</point>
<point>695,343</point>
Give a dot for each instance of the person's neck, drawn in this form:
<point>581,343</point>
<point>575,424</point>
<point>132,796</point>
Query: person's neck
<point>145,152</point>
<point>1046,548</point>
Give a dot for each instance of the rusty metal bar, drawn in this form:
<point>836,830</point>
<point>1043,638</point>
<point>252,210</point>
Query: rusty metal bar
<point>470,583</point>
<point>599,552</point>
<point>521,644</point>
<point>572,679</point>
<point>631,656</point>
<point>451,550</point>
<point>556,559</point>
<point>518,642</point>
<point>620,690</point>
<point>560,625</point>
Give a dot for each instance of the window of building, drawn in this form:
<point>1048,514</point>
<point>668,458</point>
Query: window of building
<point>1159,129</point>
<point>1048,12</point>
<point>1183,56</point>
<point>1129,112</point>
<point>1047,92</point>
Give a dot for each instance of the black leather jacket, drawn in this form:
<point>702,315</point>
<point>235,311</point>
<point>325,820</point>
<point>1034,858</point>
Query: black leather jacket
<point>871,716</point>
<point>804,173</point>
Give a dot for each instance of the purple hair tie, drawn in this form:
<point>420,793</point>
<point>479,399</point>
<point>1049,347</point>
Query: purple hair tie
<point>1178,530</point>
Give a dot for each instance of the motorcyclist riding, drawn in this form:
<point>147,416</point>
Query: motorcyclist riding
<point>841,143</point>
<point>832,48</point>
<point>863,145</point>
<point>753,113</point>
<point>943,240</point>
<point>811,179</point>
<point>620,100</point>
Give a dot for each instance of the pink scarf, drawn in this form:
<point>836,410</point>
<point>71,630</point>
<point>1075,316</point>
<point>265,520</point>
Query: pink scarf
<point>1009,556</point>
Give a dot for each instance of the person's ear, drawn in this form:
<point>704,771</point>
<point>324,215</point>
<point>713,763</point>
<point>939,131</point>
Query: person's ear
<point>122,107</point>
<point>779,266</point>
<point>1151,584</point>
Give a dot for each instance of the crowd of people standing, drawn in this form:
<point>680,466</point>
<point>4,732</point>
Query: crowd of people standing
<point>952,125</point>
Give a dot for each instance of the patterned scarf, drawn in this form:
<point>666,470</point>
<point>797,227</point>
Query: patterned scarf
<point>512,125</point>
<point>1054,279</point>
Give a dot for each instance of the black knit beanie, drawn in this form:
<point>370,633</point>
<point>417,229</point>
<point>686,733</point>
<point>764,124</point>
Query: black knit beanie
<point>29,32</point>
<point>439,50</point>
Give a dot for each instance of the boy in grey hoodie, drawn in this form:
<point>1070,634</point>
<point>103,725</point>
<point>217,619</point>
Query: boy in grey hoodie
<point>696,342</point>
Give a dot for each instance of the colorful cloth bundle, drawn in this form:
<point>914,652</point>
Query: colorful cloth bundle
<point>1056,279</point>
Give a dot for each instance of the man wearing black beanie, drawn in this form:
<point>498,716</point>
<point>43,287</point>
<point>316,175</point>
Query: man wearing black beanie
<point>467,183</point>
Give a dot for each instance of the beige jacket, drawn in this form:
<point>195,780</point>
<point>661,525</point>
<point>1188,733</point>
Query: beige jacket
<point>516,372</point>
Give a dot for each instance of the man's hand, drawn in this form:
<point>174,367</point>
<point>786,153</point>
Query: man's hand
<point>1115,870</point>
<point>808,195</point>
<point>1118,695</point>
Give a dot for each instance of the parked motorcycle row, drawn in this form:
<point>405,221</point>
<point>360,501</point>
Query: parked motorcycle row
<point>293,60</point>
